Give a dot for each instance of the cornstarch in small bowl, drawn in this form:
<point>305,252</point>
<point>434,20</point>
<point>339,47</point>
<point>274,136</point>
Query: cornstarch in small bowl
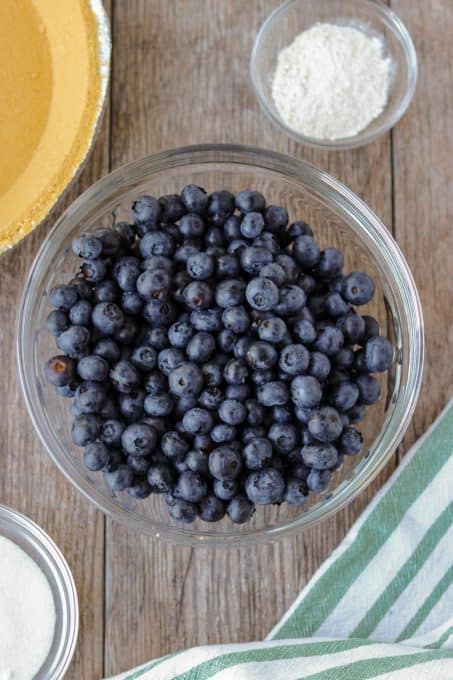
<point>332,81</point>
<point>27,614</point>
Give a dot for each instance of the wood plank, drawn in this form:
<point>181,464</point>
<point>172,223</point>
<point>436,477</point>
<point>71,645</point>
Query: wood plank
<point>29,481</point>
<point>423,151</point>
<point>181,77</point>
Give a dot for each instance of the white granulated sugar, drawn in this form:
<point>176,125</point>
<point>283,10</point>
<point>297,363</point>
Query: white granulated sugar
<point>27,614</point>
<point>331,81</point>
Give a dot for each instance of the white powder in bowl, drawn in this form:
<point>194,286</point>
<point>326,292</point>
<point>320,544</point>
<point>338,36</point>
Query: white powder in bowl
<point>331,81</point>
<point>27,614</point>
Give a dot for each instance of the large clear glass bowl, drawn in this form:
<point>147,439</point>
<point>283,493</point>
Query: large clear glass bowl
<point>337,216</point>
<point>36,544</point>
<point>371,16</point>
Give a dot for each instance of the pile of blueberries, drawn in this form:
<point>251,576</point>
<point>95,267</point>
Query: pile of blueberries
<point>214,354</point>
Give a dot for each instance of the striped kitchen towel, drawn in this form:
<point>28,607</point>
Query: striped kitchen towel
<point>380,607</point>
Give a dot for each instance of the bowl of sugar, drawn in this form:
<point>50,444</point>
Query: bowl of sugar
<point>334,74</point>
<point>39,612</point>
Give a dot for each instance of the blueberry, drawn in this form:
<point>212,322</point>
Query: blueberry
<point>240,509</point>
<point>299,470</point>
<point>261,355</point>
<point>236,319</point>
<point>126,271</point>
<point>237,392</point>
<point>140,488</point>
<point>201,347</point>
<point>186,380</point>
<point>86,428</point>
<point>282,414</point>
<point>154,262</point>
<point>273,393</point>
<point>108,349</point>
<point>93,367</point>
<point>296,491</point>
<point>125,376</point>
<point>299,228</point>
<point>63,297</point>
<point>335,305</point>
<point>292,299</point>
<point>306,251</point>
<point>119,479</point>
<point>200,266</point>
<point>226,340</point>
<point>266,486</point>
<point>127,333</point>
<point>276,218</point>
<point>172,208</point>
<point>252,225</point>
<point>113,240</point>
<point>168,359</point>
<point>180,333</point>
<point>90,396</point>
<point>330,263</point>
<point>159,313</point>
<point>307,283</point>
<point>106,291</point>
<point>209,320</point>
<point>257,453</point>
<point>197,461</point>
<point>356,413</point>
<point>154,284</point>
<point>116,458</point>
<point>107,317</point>
<point>68,390</point>
<point>294,359</point>
<point>80,313</point>
<point>74,341</point>
<point>319,455</point>
<point>358,288</point>
<point>155,382</point>
<point>60,370</point>
<point>344,396</point>
<point>318,480</point>
<point>197,421</point>
<point>144,358</point>
<point>57,322</point>
<point>83,288</point>
<point>158,405</point>
<point>225,489</point>
<point>274,272</point>
<point>87,246</point>
<point>352,326</point>
<point>211,398</point>
<point>330,341</point>
<point>304,331</point>
<point>306,391</point>
<point>225,462</point>
<point>95,456</point>
<point>220,207</point>
<point>351,441</point>
<point>232,412</point>
<point>369,388</point>
<point>191,486</point>
<point>139,465</point>
<point>110,408</point>
<point>371,327</point>
<point>139,439</point>
<point>378,354</point>
<point>214,240</point>
<point>325,424</point>
<point>195,199</point>
<point>146,212</point>
<point>212,509</point>
<point>198,295</point>
<point>236,246</point>
<point>344,358</point>
<point>223,433</point>
<point>227,266</point>
<point>254,258</point>
<point>174,445</point>
<point>249,201</point>
<point>111,432</point>
<point>283,436</point>
<point>272,330</point>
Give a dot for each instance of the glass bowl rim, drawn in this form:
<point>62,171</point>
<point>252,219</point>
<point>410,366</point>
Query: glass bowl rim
<point>318,183</point>
<point>364,137</point>
<point>36,536</point>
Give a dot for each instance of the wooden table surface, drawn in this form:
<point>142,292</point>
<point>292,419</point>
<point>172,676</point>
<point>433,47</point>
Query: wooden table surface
<point>180,76</point>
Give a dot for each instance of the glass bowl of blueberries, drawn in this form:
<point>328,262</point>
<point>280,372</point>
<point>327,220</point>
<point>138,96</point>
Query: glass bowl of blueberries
<point>220,345</point>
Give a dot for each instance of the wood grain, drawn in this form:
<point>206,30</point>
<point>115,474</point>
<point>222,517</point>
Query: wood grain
<point>29,481</point>
<point>423,199</point>
<point>181,77</point>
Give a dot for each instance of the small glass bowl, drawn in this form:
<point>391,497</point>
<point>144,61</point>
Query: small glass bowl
<point>36,543</point>
<point>371,16</point>
<point>338,218</point>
